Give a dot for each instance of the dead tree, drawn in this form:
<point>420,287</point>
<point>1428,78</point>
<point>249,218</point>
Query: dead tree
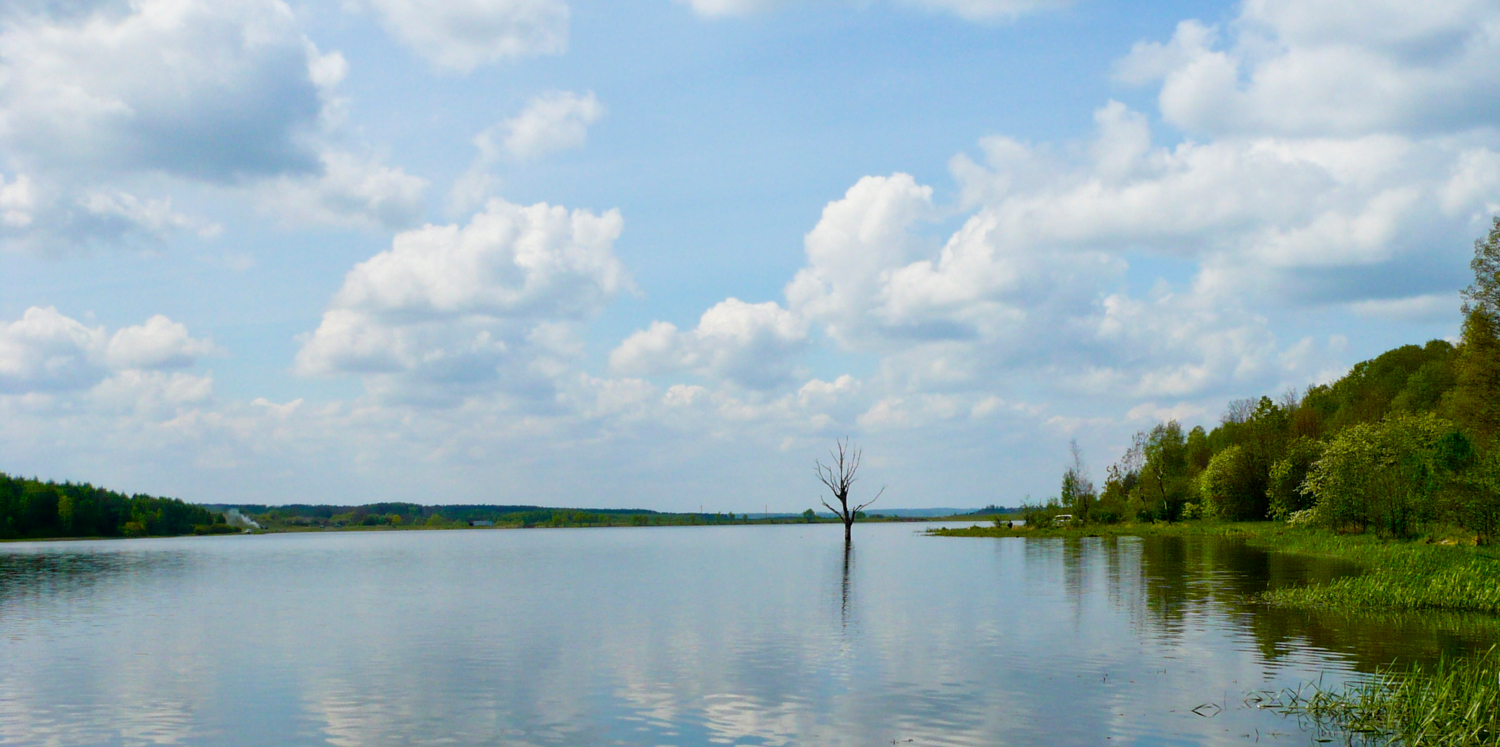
<point>839,477</point>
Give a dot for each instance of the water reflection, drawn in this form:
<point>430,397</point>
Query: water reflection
<point>729,635</point>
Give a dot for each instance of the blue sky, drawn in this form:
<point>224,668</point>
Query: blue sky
<point>661,253</point>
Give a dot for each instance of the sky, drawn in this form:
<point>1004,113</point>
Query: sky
<point>662,253</point>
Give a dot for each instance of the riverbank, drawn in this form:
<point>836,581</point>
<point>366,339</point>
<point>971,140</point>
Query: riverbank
<point>1429,573</point>
<point>1455,702</point>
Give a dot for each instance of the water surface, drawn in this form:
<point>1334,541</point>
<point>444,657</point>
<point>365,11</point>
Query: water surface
<point>746,635</point>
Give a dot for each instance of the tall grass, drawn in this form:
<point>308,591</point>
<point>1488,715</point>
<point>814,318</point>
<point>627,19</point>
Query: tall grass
<point>1456,702</point>
<point>1398,575</point>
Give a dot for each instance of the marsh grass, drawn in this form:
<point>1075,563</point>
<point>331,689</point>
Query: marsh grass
<point>1455,702</point>
<point>1398,575</point>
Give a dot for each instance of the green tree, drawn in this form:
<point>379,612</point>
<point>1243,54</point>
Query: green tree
<point>1474,400</point>
<point>1385,476</point>
<point>1228,486</point>
<point>1077,487</point>
<point>1483,295</point>
<point>1165,482</point>
<point>1285,489</point>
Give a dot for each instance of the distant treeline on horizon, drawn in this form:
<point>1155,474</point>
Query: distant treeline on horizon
<point>301,515</point>
<point>32,509</point>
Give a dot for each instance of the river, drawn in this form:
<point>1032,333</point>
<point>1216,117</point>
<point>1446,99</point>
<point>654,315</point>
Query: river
<point>736,635</point>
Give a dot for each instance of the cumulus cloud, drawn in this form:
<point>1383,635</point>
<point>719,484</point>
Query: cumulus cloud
<point>212,91</point>
<point>350,191</point>
<point>159,343</point>
<point>552,122</point>
<point>972,10</point>
<point>95,97</point>
<point>752,345</point>
<point>61,221</point>
<point>451,310</point>
<point>714,8</point>
<point>461,35</point>
<point>988,10</point>
<point>1326,68</point>
<point>46,351</point>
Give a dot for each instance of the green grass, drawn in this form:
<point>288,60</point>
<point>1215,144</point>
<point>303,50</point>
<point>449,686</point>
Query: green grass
<point>1409,575</point>
<point>1456,702</point>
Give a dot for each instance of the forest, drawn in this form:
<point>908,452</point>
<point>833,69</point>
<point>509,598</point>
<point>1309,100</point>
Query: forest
<point>1405,441</point>
<point>32,509</point>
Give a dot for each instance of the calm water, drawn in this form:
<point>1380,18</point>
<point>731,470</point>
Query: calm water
<point>666,636</point>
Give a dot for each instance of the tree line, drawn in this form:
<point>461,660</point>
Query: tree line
<point>32,509</point>
<point>1406,439</point>
<point>407,515</point>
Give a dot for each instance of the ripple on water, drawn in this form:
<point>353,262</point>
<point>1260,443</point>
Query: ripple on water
<point>735,635</point>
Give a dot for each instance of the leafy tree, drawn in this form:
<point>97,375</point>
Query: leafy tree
<point>1077,487</point>
<point>1165,483</point>
<point>1288,475</point>
<point>1483,295</point>
<point>1198,449</point>
<point>1228,486</point>
<point>1474,400</point>
<point>1383,475</point>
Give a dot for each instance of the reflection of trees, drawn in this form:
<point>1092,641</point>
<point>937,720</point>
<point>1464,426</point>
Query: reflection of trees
<point>28,575</point>
<point>1161,581</point>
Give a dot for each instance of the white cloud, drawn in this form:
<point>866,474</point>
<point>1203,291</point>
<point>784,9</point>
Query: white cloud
<point>47,351</point>
<point>989,10</point>
<point>552,122</point>
<point>461,35</point>
<point>752,345</point>
<point>717,8</point>
<point>213,91</point>
<point>99,99</point>
<point>350,191</point>
<point>972,10</point>
<point>858,241</point>
<point>1330,68</point>
<point>17,203</point>
<point>66,221</point>
<point>159,343</point>
<point>452,310</point>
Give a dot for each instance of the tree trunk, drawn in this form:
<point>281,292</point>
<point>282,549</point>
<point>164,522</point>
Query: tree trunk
<point>848,527</point>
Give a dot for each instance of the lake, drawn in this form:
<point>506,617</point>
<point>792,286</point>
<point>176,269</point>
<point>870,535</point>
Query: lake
<point>743,635</point>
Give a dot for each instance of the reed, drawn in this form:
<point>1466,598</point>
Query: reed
<point>1455,702</point>
<point>1422,574</point>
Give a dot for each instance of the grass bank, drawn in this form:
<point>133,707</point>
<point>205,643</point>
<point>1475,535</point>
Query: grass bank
<point>1409,575</point>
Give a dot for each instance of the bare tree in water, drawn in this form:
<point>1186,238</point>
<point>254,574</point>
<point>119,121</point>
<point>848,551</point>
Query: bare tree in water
<point>839,476</point>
